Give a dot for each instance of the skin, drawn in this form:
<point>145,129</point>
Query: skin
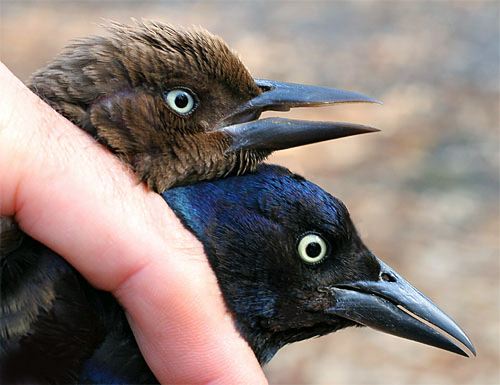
<point>121,237</point>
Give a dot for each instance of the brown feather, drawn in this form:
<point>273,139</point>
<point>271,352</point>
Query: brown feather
<point>113,86</point>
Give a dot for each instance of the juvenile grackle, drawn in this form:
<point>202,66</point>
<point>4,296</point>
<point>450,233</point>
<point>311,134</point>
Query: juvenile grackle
<point>290,265</point>
<point>177,106</point>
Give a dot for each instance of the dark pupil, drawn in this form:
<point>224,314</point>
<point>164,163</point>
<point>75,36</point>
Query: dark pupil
<point>181,100</point>
<point>313,249</point>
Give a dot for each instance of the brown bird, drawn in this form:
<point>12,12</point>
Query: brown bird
<point>168,102</point>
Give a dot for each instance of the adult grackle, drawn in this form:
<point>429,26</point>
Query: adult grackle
<point>177,106</point>
<point>290,265</point>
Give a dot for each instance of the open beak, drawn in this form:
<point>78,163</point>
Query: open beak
<point>247,132</point>
<point>393,306</point>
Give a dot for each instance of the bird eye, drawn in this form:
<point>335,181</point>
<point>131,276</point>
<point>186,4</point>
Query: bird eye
<point>180,101</point>
<point>312,248</point>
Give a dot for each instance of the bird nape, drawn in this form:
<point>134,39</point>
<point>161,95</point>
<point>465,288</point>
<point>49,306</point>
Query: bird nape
<point>290,266</point>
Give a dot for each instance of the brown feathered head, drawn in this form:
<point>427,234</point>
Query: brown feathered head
<point>177,105</point>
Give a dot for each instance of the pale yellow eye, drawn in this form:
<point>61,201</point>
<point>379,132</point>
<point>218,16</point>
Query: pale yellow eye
<point>180,101</point>
<point>312,248</point>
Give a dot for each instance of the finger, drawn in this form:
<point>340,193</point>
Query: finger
<point>69,193</point>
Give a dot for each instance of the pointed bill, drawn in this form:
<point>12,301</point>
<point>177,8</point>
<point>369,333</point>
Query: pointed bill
<point>272,134</point>
<point>393,306</point>
<point>277,95</point>
<point>249,133</point>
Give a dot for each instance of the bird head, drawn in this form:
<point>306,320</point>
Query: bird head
<point>178,105</point>
<point>291,265</point>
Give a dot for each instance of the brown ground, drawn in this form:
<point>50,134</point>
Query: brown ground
<point>424,192</point>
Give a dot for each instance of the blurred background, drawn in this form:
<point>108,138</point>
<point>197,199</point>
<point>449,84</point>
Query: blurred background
<point>424,192</point>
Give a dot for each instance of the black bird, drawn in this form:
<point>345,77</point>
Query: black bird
<point>290,265</point>
<point>177,106</point>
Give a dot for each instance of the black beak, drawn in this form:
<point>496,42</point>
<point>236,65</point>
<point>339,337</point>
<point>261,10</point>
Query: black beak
<point>393,306</point>
<point>270,134</point>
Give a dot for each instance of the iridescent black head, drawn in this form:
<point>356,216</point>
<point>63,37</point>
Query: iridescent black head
<point>291,265</point>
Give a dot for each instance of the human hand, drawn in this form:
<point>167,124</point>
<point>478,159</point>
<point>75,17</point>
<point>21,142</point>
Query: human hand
<point>72,195</point>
